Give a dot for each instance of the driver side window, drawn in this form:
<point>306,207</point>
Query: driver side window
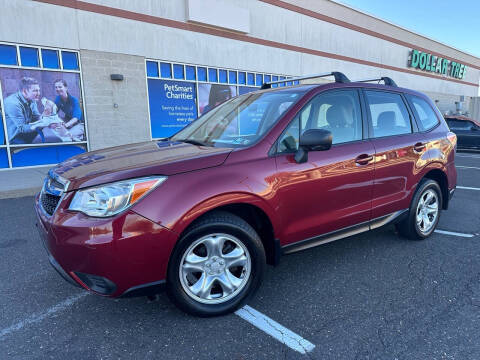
<point>336,111</point>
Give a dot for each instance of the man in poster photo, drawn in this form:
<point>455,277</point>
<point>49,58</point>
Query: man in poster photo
<point>24,122</point>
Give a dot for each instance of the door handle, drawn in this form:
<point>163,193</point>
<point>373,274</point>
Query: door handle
<point>419,147</point>
<point>363,159</point>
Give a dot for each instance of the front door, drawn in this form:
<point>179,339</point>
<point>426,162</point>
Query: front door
<point>333,189</point>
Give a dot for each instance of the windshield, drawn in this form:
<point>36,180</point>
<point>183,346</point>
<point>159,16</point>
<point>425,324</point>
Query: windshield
<point>240,121</point>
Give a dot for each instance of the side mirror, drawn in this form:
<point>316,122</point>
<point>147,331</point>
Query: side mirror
<point>313,140</point>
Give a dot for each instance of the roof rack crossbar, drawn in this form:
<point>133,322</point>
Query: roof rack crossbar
<point>388,81</point>
<point>339,78</point>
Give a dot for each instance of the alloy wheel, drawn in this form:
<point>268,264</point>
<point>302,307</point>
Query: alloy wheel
<point>215,268</point>
<point>427,211</point>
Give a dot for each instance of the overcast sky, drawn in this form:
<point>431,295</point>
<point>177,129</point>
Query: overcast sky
<point>455,23</point>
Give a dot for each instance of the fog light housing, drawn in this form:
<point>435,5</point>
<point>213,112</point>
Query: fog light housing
<point>96,283</point>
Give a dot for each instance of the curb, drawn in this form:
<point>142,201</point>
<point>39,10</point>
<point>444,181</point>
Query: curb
<point>19,193</point>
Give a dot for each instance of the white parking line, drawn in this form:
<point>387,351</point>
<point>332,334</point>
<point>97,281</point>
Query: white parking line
<point>467,167</point>
<point>40,316</point>
<point>274,329</point>
<point>467,188</point>
<point>454,233</point>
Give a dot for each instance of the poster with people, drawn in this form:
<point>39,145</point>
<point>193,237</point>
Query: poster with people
<point>42,106</point>
<point>211,95</point>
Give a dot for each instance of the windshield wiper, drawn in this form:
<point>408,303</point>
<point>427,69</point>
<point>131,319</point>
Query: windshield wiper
<point>193,142</point>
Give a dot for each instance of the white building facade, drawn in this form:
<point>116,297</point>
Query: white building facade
<point>120,71</point>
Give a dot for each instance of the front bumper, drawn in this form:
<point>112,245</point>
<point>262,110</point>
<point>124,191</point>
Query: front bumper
<point>111,257</point>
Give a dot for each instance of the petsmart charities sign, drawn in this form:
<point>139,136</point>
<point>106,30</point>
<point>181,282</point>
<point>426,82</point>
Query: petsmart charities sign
<point>428,62</point>
<point>172,106</point>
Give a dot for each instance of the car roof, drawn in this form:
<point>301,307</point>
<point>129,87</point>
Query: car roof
<point>461,118</point>
<point>334,85</point>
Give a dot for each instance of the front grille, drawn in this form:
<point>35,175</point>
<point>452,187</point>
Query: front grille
<point>49,202</point>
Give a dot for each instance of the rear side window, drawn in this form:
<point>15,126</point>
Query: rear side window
<point>425,114</point>
<point>459,125</point>
<point>388,113</point>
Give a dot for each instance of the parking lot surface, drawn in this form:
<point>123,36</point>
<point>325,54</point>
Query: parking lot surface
<point>370,296</point>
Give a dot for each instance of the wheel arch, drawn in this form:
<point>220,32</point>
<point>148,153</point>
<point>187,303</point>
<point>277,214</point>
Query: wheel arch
<point>441,178</point>
<point>248,207</point>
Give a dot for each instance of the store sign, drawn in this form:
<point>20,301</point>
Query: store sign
<point>428,62</point>
<point>172,106</point>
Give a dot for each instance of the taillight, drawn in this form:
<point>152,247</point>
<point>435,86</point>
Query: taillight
<point>452,138</point>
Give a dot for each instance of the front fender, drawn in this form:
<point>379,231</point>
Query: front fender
<point>219,201</point>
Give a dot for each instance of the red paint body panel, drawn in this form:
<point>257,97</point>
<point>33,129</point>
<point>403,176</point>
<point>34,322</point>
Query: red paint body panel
<point>128,249</point>
<point>136,160</point>
<point>328,192</point>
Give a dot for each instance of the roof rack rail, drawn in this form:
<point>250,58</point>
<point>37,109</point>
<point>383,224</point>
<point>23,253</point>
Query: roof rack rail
<point>339,78</point>
<point>387,81</point>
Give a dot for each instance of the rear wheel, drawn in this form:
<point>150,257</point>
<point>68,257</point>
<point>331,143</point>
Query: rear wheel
<point>216,266</point>
<point>424,211</point>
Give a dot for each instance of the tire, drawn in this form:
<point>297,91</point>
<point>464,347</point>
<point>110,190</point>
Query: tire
<point>428,193</point>
<point>216,266</point>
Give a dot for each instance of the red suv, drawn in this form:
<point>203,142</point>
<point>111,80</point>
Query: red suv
<point>263,174</point>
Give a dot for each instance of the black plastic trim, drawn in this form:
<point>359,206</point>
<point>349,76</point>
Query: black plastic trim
<point>145,289</point>
<point>345,232</point>
<point>96,283</point>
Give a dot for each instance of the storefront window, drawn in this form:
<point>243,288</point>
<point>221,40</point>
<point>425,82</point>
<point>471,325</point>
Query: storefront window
<point>42,116</point>
<point>50,59</point>
<point>195,90</point>
<point>69,60</point>
<point>8,55</point>
<point>29,56</point>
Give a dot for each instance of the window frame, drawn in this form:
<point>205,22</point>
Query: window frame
<point>413,121</point>
<point>417,116</point>
<point>274,149</point>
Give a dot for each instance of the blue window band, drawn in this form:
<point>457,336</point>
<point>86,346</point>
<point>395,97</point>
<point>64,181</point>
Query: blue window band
<point>166,70</point>
<point>202,74</point>
<point>242,77</point>
<point>8,55</point>
<point>152,69</point>
<point>50,59</point>
<point>212,75</point>
<point>222,76</point>
<point>29,56</point>
<point>232,77</point>
<point>190,72</point>
<point>178,71</point>
<point>69,60</point>
<point>250,79</point>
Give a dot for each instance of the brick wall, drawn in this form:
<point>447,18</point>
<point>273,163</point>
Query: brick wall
<point>117,111</point>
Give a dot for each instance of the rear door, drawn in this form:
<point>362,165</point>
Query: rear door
<point>332,189</point>
<point>399,151</point>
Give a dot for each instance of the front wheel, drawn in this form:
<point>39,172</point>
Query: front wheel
<point>424,212</point>
<point>216,266</point>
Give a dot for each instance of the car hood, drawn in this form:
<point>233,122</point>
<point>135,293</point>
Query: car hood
<point>137,160</point>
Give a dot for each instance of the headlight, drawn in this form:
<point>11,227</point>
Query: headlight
<point>110,199</point>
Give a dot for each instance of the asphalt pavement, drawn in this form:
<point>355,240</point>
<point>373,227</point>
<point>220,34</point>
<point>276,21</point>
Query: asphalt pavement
<point>371,296</point>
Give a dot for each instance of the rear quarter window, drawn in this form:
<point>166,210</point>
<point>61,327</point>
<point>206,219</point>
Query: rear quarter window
<point>424,112</point>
